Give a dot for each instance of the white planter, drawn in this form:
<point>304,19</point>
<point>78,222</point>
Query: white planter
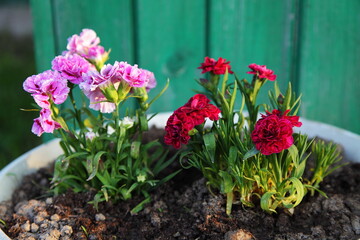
<point>41,156</point>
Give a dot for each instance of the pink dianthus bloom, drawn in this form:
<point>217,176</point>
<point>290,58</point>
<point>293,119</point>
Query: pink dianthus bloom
<point>151,82</point>
<point>185,118</point>
<point>44,123</point>
<point>91,88</point>
<point>216,67</point>
<point>134,76</point>
<point>46,87</point>
<point>273,132</point>
<point>86,45</point>
<point>71,67</point>
<point>262,71</point>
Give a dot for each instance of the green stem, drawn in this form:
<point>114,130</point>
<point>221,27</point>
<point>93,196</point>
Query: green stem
<point>229,202</point>
<point>77,112</point>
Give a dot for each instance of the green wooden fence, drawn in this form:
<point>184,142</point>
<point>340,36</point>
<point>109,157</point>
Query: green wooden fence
<point>313,43</point>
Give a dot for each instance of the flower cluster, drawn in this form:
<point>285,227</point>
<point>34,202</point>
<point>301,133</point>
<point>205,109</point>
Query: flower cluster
<point>101,150</point>
<point>240,155</point>
<point>105,88</point>
<point>185,118</point>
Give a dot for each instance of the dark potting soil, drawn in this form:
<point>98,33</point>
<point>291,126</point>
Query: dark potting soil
<point>182,209</point>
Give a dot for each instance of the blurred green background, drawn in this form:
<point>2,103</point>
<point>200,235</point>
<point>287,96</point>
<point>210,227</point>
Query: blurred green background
<point>16,63</point>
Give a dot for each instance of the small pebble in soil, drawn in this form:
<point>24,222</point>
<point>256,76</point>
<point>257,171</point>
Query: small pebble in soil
<point>55,217</point>
<point>100,217</point>
<point>66,230</point>
<point>49,201</point>
<point>239,235</point>
<point>26,226</point>
<point>34,227</point>
<point>38,219</point>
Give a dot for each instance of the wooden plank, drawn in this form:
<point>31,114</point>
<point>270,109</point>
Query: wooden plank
<point>112,21</point>
<point>329,62</point>
<point>44,38</point>
<point>257,31</point>
<point>171,43</point>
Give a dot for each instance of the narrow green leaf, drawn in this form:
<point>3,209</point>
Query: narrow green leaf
<point>265,202</point>
<point>299,189</point>
<point>95,164</point>
<point>140,206</point>
<point>135,149</point>
<point>294,154</point>
<point>161,93</point>
<point>227,184</point>
<point>210,145</point>
<point>233,153</point>
<point>233,98</point>
<point>168,177</point>
<point>251,153</point>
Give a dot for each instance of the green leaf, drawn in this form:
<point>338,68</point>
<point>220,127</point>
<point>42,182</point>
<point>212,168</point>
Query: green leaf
<point>140,206</point>
<point>294,154</point>
<point>95,164</point>
<point>121,139</point>
<point>210,145</point>
<point>233,153</point>
<point>251,153</point>
<point>127,192</point>
<point>299,189</point>
<point>265,202</point>
<point>135,149</point>
<point>227,184</point>
<point>168,177</point>
<point>224,82</point>
<point>161,93</point>
<point>232,99</point>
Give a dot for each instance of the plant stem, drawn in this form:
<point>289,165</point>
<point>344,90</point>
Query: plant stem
<point>77,112</point>
<point>229,202</point>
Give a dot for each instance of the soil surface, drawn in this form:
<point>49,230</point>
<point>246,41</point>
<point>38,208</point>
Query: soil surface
<point>181,209</point>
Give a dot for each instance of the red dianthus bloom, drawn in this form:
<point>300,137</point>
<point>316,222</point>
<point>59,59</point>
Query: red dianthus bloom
<point>262,71</point>
<point>273,132</point>
<point>185,118</point>
<point>216,67</point>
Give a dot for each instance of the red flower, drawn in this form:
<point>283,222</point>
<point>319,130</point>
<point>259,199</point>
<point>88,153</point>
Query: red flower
<point>215,67</point>
<point>262,71</point>
<point>185,118</point>
<point>273,132</point>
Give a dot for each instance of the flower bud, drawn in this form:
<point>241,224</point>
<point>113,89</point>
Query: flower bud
<point>141,93</point>
<point>109,91</point>
<point>127,122</point>
<point>280,99</point>
<point>123,90</point>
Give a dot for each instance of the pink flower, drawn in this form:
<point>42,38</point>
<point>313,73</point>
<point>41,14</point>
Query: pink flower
<point>47,87</point>
<point>215,67</point>
<point>71,67</point>
<point>134,76</point>
<point>151,82</point>
<point>44,123</point>
<point>262,71</point>
<point>273,132</point>
<point>185,118</point>
<point>86,45</point>
<point>91,88</point>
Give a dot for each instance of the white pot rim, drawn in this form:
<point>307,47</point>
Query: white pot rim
<point>11,175</point>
